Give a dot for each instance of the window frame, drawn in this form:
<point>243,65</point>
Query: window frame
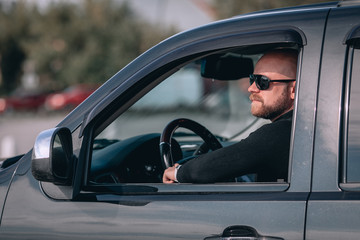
<point>345,184</point>
<point>352,41</point>
<point>122,99</point>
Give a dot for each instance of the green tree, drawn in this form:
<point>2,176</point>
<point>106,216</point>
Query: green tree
<point>12,54</point>
<point>74,43</point>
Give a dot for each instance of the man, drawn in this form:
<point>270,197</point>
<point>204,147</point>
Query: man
<point>266,151</point>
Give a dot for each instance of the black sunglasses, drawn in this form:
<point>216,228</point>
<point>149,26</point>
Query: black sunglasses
<point>262,82</point>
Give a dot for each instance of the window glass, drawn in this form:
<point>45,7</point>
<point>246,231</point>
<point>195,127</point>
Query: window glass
<point>128,149</point>
<point>353,144</point>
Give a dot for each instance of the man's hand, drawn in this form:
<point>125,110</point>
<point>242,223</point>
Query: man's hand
<point>169,174</point>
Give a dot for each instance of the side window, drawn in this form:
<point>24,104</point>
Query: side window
<point>223,107</point>
<point>353,142</point>
<point>211,90</point>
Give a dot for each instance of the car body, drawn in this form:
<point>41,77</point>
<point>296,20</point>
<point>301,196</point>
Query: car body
<point>70,97</point>
<point>23,100</point>
<point>97,174</point>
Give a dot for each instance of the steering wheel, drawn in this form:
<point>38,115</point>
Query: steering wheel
<point>201,131</point>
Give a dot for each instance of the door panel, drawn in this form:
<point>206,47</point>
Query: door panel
<point>30,214</point>
<point>333,212</point>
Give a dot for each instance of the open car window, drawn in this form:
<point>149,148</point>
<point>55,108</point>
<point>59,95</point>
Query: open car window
<point>223,106</point>
<point>211,90</point>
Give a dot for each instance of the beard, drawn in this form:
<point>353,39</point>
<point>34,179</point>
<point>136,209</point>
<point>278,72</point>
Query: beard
<point>281,105</point>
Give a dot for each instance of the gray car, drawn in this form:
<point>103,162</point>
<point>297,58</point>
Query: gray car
<point>97,174</point>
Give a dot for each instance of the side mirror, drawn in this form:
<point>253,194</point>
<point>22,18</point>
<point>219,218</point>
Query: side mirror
<point>52,156</point>
<point>226,67</point>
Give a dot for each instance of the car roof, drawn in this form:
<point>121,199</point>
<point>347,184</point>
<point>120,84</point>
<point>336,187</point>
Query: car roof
<point>294,8</point>
<point>333,4</point>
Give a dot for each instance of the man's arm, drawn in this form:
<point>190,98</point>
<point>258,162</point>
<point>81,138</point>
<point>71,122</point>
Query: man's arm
<point>265,150</point>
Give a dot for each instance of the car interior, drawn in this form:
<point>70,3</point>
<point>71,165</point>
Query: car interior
<point>200,105</point>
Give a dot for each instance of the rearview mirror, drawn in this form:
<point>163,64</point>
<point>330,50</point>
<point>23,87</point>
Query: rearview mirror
<point>52,156</point>
<point>226,67</point>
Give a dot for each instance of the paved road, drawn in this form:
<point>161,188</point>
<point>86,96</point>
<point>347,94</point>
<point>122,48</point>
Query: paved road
<point>18,131</point>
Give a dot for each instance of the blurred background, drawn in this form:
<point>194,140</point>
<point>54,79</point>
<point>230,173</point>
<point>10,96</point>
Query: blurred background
<point>53,54</point>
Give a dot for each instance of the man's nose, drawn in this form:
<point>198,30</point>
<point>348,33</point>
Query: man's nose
<point>253,88</point>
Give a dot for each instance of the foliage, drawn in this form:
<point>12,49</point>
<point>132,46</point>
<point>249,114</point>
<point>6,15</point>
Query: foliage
<point>70,43</point>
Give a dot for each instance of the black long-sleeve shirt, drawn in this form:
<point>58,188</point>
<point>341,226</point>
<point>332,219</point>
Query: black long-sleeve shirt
<point>264,152</point>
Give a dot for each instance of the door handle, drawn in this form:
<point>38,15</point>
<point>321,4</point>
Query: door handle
<point>239,232</point>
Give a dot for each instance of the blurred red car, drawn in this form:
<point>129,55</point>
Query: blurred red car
<point>23,100</point>
<point>69,98</point>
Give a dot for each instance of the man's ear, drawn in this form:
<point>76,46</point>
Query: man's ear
<point>292,88</point>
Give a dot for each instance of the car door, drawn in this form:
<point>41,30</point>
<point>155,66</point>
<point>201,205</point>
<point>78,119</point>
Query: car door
<point>333,211</point>
<point>84,210</point>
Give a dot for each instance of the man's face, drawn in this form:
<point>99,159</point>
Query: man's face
<point>279,97</point>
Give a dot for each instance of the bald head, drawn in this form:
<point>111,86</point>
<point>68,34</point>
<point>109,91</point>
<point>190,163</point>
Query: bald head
<point>278,98</point>
<point>282,63</point>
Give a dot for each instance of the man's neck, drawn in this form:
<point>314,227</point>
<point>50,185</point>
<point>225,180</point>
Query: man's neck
<point>276,118</point>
